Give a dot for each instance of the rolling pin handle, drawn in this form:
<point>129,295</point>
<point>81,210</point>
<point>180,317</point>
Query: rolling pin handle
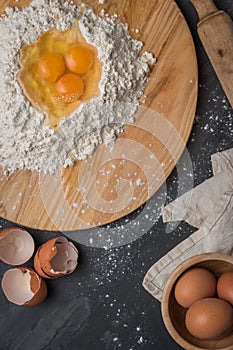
<point>204,8</point>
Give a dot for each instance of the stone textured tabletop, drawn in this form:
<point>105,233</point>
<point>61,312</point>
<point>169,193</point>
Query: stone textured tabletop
<point>102,305</point>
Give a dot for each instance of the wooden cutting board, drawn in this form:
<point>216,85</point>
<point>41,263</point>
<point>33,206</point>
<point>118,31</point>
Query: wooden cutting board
<point>117,180</point>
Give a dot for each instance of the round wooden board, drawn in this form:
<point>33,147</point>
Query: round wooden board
<point>118,179</point>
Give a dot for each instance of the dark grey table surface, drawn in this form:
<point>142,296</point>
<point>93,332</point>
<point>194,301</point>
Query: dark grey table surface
<point>102,305</point>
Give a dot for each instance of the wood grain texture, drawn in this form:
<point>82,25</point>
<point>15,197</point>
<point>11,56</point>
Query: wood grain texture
<point>174,315</point>
<point>115,181</point>
<point>204,8</point>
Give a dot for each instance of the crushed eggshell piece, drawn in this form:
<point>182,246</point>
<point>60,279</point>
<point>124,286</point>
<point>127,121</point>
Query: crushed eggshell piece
<point>16,246</point>
<point>56,258</point>
<point>23,286</point>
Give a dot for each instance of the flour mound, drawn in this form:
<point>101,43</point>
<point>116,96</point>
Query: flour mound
<point>25,142</point>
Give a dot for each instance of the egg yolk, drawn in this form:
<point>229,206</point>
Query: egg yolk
<point>51,67</point>
<point>46,80</point>
<point>79,59</point>
<point>69,87</point>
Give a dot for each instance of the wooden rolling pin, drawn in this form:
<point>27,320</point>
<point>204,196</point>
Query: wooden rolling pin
<point>215,30</point>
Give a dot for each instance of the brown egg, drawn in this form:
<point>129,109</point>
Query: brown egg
<point>225,287</point>
<point>209,318</point>
<point>16,246</point>
<point>56,258</point>
<point>23,286</point>
<point>193,285</point>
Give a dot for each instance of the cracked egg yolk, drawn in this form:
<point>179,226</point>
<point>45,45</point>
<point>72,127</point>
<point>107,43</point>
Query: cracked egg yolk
<point>51,67</point>
<point>79,59</point>
<point>69,87</point>
<point>59,72</point>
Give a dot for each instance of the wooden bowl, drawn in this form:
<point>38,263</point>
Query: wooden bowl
<point>174,315</point>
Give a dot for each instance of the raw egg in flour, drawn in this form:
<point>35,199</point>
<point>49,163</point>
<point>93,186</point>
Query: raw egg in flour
<point>50,73</point>
<point>79,59</point>
<point>51,67</point>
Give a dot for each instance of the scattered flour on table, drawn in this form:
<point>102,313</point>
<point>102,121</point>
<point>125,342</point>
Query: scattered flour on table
<point>25,142</point>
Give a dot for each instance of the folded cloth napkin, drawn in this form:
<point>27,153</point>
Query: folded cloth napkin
<point>209,207</point>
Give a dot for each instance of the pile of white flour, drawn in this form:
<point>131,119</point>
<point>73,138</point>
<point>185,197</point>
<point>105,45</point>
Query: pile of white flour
<point>25,142</point>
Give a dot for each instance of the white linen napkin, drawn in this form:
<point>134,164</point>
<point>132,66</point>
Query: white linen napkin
<point>209,207</point>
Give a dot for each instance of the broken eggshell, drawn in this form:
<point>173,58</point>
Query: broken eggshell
<point>56,258</point>
<point>16,246</point>
<point>23,286</point>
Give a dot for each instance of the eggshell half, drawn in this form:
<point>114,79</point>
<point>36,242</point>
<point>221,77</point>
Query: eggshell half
<point>56,258</point>
<point>23,286</point>
<point>16,246</point>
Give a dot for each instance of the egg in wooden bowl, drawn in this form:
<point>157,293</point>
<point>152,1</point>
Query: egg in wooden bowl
<point>211,316</point>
